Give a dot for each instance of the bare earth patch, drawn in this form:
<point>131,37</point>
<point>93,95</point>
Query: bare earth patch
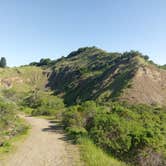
<point>45,146</point>
<point>148,87</point>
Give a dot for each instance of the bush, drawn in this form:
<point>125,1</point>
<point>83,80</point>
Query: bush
<point>33,100</point>
<point>80,115</point>
<point>125,131</point>
<point>3,62</point>
<point>43,103</point>
<point>13,95</point>
<point>10,123</point>
<point>76,132</point>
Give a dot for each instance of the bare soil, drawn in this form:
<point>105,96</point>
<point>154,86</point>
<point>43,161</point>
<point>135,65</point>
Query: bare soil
<point>147,87</point>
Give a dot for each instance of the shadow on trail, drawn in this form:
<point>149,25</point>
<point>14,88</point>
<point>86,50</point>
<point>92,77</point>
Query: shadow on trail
<point>54,121</point>
<point>56,127</point>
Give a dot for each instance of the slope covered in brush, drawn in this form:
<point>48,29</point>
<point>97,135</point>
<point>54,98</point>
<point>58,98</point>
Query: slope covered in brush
<point>93,74</point>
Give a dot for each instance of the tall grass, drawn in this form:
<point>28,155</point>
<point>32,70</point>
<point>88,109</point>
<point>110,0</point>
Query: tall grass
<point>94,156</point>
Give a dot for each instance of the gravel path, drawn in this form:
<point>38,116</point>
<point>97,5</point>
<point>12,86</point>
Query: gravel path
<point>45,146</point>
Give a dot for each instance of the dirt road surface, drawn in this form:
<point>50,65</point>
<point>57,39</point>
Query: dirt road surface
<point>46,145</point>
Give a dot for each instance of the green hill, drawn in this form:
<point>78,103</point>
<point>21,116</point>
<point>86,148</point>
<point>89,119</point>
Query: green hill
<point>93,74</point>
<point>23,78</point>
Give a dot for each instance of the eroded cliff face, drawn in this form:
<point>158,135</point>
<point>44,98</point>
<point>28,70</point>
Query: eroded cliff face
<point>148,86</point>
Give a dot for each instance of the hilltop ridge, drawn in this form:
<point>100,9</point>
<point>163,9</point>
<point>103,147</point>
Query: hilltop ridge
<point>90,73</point>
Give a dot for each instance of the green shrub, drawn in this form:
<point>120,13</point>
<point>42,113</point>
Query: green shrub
<point>10,124</point>
<point>76,132</point>
<point>123,130</point>
<point>43,103</point>
<point>27,110</point>
<point>33,100</point>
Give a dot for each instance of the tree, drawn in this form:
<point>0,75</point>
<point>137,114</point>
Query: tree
<point>146,57</point>
<point>33,64</point>
<point>44,62</point>
<point>3,62</point>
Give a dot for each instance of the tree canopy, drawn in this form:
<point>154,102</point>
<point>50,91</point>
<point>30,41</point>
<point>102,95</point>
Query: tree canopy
<point>3,62</point>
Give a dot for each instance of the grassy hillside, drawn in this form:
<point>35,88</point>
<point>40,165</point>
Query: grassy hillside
<point>91,73</point>
<point>23,78</point>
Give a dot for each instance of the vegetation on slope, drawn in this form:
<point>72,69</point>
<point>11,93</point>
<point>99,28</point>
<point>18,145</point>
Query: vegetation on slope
<point>135,134</point>
<point>94,74</point>
<point>23,79</point>
<point>10,124</point>
<point>94,156</point>
<point>91,73</point>
<point>15,84</point>
<point>42,103</point>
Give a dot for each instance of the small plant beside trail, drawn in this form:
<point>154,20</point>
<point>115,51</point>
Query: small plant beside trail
<point>10,124</point>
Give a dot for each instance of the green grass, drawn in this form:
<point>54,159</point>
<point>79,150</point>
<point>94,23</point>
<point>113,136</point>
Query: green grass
<point>11,145</point>
<point>94,156</point>
<point>22,79</point>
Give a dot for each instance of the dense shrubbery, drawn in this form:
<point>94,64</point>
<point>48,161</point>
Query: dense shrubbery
<point>10,124</point>
<point>132,133</point>
<point>13,95</point>
<point>43,103</point>
<point>43,62</point>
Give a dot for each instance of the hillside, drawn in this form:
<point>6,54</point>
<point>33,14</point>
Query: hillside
<point>93,74</point>
<point>148,86</point>
<point>23,77</point>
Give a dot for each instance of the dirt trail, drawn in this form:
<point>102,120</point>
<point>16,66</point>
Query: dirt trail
<point>45,146</point>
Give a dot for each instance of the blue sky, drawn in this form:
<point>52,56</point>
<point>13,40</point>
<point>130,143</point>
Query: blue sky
<point>35,29</point>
